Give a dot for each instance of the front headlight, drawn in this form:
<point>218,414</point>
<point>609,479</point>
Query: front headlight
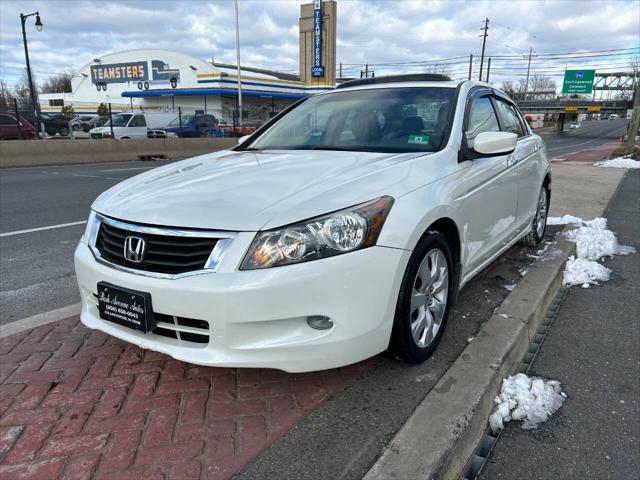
<point>91,231</point>
<point>340,232</point>
<point>171,134</point>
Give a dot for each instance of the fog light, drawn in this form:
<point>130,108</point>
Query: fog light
<point>319,322</point>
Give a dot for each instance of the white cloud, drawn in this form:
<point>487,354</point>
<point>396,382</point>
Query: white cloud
<point>374,32</point>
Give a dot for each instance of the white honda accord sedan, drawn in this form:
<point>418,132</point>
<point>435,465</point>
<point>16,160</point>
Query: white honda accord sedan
<point>342,228</point>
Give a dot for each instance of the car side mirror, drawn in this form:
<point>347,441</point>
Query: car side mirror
<point>495,143</point>
<point>243,139</point>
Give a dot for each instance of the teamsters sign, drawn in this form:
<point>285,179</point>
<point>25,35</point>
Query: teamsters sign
<point>120,72</point>
<point>317,70</point>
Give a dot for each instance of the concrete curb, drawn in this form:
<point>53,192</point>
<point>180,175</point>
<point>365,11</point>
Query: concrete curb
<point>444,430</point>
<point>34,321</point>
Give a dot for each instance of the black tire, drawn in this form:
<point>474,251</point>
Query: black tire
<point>64,131</point>
<point>402,342</point>
<point>535,235</point>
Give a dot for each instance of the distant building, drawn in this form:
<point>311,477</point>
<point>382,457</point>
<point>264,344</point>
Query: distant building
<point>150,79</point>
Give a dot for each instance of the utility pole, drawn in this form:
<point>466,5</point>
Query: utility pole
<point>238,66</point>
<point>484,43</point>
<point>488,69</point>
<point>634,124</point>
<point>366,70</point>
<point>340,70</point>
<point>526,85</point>
<point>470,64</point>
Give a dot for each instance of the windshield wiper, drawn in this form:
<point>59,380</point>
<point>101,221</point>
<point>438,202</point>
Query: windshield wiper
<point>328,147</point>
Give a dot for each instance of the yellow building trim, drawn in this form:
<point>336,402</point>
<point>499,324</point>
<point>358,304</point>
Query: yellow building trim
<point>293,83</point>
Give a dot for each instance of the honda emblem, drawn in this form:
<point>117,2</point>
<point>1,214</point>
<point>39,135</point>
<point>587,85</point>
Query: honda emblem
<point>134,248</point>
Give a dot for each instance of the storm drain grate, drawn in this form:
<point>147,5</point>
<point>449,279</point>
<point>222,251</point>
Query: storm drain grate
<point>483,450</point>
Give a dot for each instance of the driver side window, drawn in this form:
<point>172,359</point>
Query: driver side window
<point>482,118</point>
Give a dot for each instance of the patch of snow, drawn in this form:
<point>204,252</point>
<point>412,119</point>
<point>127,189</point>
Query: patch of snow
<point>530,399</point>
<point>619,162</point>
<point>503,315</point>
<point>593,241</point>
<point>580,271</point>
<point>510,287</point>
<point>523,271</point>
<point>564,220</point>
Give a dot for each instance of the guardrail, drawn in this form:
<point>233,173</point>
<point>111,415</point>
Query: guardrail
<point>33,153</point>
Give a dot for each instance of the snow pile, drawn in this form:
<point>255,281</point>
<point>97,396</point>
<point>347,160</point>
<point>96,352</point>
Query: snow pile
<point>620,162</point>
<point>564,220</point>
<point>530,399</point>
<point>580,271</point>
<point>593,241</point>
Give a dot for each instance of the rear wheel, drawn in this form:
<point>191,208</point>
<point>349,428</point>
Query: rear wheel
<point>64,131</point>
<point>536,234</point>
<point>423,303</point>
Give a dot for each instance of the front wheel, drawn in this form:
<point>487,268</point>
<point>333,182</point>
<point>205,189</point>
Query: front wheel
<point>423,303</point>
<point>536,234</point>
<point>64,131</point>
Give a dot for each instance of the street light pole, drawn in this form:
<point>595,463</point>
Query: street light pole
<point>23,19</point>
<point>238,66</point>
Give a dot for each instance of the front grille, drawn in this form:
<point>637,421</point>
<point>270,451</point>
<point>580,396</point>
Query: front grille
<point>156,134</point>
<point>163,254</point>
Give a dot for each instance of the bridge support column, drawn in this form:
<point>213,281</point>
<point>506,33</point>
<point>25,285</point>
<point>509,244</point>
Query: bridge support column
<point>560,123</point>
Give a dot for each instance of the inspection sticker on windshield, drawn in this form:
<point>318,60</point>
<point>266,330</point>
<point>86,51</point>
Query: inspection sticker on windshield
<point>419,139</point>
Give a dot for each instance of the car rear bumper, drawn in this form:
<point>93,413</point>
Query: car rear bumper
<point>259,318</point>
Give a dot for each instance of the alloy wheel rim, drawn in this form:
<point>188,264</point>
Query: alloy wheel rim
<point>429,298</point>
<point>541,214</point>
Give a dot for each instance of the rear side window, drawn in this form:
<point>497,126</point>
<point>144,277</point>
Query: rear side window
<point>138,121</point>
<point>509,118</point>
<point>7,120</point>
<point>205,121</point>
<point>482,118</point>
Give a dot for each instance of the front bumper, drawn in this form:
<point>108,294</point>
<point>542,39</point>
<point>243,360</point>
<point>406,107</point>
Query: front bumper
<point>258,318</point>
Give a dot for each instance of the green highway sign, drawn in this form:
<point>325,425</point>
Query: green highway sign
<point>578,81</point>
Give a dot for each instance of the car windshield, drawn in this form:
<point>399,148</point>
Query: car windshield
<point>375,120</point>
<point>120,120</point>
<point>186,120</point>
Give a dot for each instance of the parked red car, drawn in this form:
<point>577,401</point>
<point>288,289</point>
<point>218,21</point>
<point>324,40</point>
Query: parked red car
<point>9,128</point>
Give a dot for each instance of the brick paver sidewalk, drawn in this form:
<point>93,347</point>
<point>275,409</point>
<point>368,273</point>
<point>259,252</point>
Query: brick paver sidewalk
<point>76,403</point>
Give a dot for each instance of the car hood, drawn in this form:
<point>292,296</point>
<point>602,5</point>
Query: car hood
<point>249,191</point>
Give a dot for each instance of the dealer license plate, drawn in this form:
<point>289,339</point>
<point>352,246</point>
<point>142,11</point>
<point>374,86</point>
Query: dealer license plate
<point>125,307</point>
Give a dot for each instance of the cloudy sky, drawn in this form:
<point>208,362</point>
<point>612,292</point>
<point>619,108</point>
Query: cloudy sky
<point>388,34</point>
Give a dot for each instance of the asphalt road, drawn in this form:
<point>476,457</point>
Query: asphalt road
<point>590,135</point>
<point>592,349</point>
<point>36,267</point>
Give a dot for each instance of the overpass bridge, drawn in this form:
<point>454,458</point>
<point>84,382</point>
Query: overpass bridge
<point>575,106</point>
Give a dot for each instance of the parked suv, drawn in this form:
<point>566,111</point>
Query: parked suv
<point>344,226</point>
<point>188,126</point>
<point>9,128</point>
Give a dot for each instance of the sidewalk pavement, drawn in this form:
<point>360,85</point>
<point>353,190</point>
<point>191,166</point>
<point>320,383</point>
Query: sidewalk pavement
<point>593,349</point>
<point>76,403</point>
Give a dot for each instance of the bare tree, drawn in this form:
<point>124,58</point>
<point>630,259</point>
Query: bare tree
<point>6,100</point>
<point>541,83</point>
<point>57,83</point>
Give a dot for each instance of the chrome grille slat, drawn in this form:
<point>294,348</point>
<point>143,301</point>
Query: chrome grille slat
<point>164,254</point>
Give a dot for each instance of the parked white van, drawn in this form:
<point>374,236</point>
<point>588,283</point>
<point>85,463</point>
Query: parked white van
<point>132,125</point>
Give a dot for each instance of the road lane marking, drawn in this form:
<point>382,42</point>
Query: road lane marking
<point>97,176</point>
<point>39,229</point>
<point>126,169</point>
